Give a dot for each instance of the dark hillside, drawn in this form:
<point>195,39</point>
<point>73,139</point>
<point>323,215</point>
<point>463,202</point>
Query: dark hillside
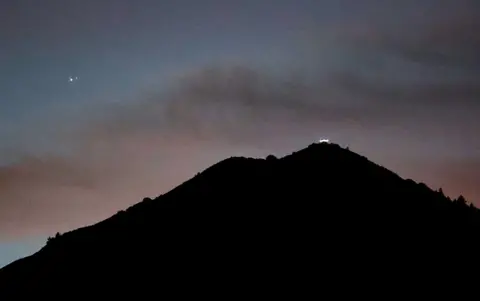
<point>276,225</point>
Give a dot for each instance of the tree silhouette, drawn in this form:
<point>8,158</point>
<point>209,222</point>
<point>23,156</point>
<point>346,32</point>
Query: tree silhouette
<point>461,200</point>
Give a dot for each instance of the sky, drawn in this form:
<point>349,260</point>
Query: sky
<point>164,89</point>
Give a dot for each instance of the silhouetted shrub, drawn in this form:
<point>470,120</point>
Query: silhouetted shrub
<point>271,158</point>
<point>50,239</point>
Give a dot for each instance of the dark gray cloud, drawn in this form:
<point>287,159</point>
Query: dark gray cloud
<point>439,93</point>
<point>443,39</point>
<point>427,60</point>
<point>236,103</point>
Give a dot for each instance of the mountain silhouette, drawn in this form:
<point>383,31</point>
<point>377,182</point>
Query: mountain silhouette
<point>323,216</point>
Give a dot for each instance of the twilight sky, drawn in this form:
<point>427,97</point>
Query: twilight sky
<point>167,88</point>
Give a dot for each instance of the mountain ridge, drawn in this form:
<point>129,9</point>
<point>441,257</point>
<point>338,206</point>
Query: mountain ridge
<point>245,213</point>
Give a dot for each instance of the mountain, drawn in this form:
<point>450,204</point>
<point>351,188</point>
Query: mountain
<point>323,216</point>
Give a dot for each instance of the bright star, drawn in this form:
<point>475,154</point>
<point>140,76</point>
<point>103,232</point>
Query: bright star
<point>71,79</point>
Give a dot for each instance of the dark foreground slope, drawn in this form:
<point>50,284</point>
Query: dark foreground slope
<point>320,216</point>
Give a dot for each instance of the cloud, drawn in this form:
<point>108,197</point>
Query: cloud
<point>421,93</point>
<point>429,58</point>
<point>438,38</point>
<point>225,102</point>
